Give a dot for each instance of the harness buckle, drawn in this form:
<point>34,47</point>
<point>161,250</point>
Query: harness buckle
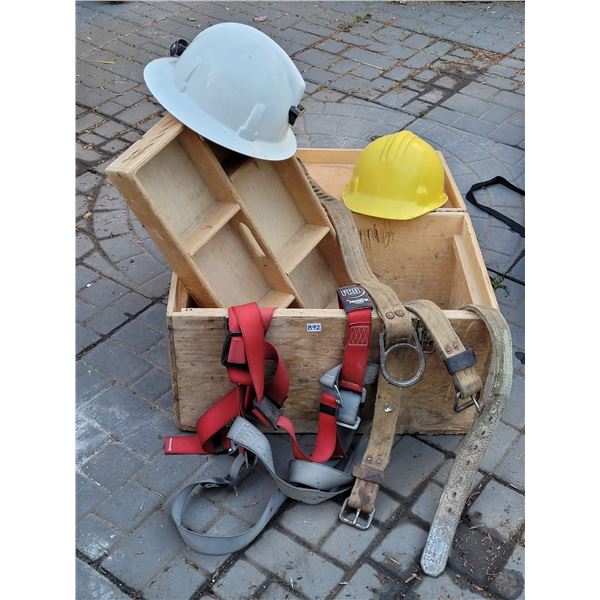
<point>354,426</point>
<point>384,355</point>
<point>355,522</point>
<point>348,401</point>
<point>225,350</point>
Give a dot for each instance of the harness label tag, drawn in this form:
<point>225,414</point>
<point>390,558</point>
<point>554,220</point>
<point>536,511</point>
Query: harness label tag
<point>313,327</point>
<point>354,297</point>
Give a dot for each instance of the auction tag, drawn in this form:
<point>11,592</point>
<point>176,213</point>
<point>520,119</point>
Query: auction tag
<point>313,327</point>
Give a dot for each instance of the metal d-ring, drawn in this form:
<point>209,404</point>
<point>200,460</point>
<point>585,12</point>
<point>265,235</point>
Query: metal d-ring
<point>384,355</point>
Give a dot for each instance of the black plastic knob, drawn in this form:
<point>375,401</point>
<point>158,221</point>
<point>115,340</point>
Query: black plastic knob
<point>178,48</point>
<point>294,113</point>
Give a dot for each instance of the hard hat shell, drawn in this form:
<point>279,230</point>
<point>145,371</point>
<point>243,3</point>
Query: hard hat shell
<point>398,176</point>
<point>233,85</point>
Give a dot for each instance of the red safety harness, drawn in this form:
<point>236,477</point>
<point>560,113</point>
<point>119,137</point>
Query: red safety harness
<point>244,354</point>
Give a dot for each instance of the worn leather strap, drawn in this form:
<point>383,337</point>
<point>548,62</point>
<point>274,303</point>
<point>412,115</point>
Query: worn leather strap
<point>369,474</point>
<point>461,361</point>
<point>447,343</point>
<point>474,444</point>
<point>397,324</point>
<point>396,319</point>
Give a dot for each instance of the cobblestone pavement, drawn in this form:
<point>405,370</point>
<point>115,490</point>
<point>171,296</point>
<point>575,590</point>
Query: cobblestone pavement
<point>452,73</point>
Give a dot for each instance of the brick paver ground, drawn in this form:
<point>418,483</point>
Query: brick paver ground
<point>453,73</point>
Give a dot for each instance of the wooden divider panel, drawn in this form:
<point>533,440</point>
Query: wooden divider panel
<point>234,228</point>
<point>269,202</point>
<point>415,258</point>
<point>314,280</point>
<point>285,209</point>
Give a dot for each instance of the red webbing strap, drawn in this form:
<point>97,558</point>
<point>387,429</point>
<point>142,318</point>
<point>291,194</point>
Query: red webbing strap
<point>356,349</point>
<point>245,366</point>
<point>327,444</point>
<point>247,319</point>
<point>277,388</point>
<point>245,363</point>
<point>352,374</point>
<point>253,323</point>
<point>212,421</point>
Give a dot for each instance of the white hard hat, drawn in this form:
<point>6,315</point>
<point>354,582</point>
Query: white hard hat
<point>233,85</point>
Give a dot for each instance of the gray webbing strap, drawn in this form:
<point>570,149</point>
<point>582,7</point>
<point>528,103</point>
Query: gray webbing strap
<point>322,483</point>
<point>457,488</point>
<point>221,544</point>
<point>330,481</point>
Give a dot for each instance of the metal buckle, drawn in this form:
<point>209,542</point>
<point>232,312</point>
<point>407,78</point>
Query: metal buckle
<point>355,521</point>
<point>348,406</point>
<point>344,398</point>
<point>227,346</point>
<point>425,339</point>
<point>384,354</point>
<point>354,425</point>
<point>472,402</point>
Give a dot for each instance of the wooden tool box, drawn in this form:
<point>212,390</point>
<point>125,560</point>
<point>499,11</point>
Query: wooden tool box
<point>220,218</point>
<point>235,229</point>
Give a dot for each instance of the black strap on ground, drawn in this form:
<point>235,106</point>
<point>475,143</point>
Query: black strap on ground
<point>513,225</point>
<point>506,275</point>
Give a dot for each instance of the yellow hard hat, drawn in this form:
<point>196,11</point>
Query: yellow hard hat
<point>398,176</point>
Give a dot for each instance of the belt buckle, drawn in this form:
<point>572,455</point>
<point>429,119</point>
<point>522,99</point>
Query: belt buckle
<point>355,522</point>
<point>474,401</point>
<point>354,425</point>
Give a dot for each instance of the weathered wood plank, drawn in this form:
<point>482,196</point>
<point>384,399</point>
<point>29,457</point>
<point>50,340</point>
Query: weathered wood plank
<point>197,338</point>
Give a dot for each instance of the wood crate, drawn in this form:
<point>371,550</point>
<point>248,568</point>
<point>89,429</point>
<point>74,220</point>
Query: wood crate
<point>435,256</point>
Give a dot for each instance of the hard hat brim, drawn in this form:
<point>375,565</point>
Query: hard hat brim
<point>386,208</point>
<point>159,76</point>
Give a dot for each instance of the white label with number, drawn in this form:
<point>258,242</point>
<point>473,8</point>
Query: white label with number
<point>313,327</point>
